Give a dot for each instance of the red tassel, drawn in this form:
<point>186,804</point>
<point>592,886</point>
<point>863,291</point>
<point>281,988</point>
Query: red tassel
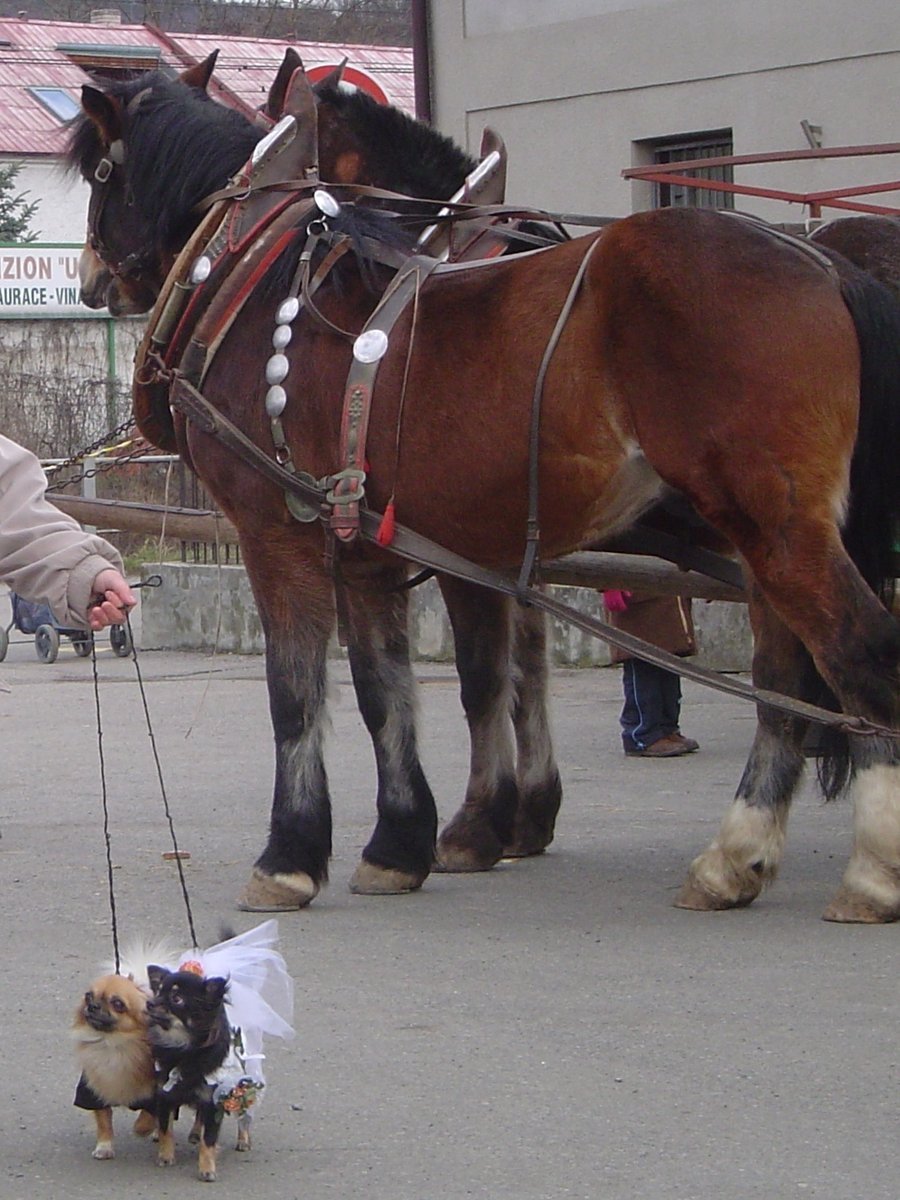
<point>385,534</point>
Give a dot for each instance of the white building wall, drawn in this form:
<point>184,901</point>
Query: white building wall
<point>62,199</point>
<point>574,85</point>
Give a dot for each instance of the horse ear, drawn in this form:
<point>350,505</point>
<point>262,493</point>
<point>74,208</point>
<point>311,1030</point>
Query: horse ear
<point>332,79</point>
<point>274,105</point>
<point>105,112</point>
<point>199,75</point>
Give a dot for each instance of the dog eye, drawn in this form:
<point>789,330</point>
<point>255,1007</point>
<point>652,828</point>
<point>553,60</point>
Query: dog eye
<point>117,1005</point>
<point>176,1000</point>
<point>89,997</point>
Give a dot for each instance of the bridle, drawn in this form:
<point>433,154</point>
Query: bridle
<point>141,262</point>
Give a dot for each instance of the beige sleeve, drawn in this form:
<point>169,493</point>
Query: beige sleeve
<point>45,555</point>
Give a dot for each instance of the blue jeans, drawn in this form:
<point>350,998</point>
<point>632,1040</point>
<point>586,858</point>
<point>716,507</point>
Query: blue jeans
<point>652,704</point>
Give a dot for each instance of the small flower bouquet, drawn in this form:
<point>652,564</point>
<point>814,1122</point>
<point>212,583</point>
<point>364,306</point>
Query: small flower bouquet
<point>241,1097</point>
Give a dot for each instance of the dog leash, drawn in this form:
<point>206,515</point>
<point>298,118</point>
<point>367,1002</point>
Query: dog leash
<point>152,581</point>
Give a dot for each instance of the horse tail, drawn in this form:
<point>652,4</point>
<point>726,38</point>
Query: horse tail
<point>872,525</point>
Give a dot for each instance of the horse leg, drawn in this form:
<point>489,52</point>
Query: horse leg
<point>475,838</point>
<point>540,788</point>
<point>855,644</point>
<point>294,599</point>
<point>745,855</point>
<point>400,853</point>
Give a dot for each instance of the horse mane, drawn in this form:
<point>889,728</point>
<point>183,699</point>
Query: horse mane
<point>204,143</point>
<point>356,222</point>
<point>403,154</point>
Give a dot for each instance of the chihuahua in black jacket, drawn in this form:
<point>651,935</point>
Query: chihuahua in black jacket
<point>190,1038</point>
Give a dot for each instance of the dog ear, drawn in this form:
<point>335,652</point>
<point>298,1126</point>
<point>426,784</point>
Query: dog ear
<point>156,975</point>
<point>215,989</point>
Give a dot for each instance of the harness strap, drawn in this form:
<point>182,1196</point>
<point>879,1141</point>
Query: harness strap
<point>533,535</point>
<point>412,546</point>
<point>348,489</point>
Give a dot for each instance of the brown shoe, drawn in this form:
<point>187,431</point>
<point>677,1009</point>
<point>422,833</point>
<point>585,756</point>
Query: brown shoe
<point>671,746</point>
<point>689,744</point>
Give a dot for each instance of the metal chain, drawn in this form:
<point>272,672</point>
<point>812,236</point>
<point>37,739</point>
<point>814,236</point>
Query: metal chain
<point>127,426</point>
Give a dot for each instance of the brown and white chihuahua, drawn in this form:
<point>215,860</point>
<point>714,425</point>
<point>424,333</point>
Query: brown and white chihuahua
<point>110,1031</point>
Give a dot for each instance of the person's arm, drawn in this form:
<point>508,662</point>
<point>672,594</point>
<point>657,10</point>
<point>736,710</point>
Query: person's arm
<point>46,556</point>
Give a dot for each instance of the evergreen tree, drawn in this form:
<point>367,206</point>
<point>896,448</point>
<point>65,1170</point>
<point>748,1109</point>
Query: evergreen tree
<point>15,212</point>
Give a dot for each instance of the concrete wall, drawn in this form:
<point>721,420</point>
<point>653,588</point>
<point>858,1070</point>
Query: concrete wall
<point>574,86</point>
<point>212,608</point>
<point>89,347</point>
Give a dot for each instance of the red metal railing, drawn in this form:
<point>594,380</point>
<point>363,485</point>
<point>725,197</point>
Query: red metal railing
<point>841,198</point>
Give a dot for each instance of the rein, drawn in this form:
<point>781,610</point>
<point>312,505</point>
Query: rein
<point>412,546</point>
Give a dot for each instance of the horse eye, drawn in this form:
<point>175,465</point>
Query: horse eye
<point>116,1005</point>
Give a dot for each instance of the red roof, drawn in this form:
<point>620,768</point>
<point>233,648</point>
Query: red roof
<point>30,56</point>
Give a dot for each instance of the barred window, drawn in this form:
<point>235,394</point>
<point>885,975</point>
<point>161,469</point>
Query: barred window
<point>678,149</point>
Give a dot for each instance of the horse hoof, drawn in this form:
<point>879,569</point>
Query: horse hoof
<point>277,893</point>
<point>698,898</point>
<point>461,860</point>
<point>851,908</point>
<point>716,882</point>
<point>371,880</point>
<point>514,853</point>
<point>527,846</point>
<point>468,844</point>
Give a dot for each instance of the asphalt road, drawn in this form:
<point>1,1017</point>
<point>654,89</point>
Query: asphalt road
<point>553,1028</point>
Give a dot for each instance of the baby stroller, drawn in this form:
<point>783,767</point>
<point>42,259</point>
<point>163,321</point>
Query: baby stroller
<point>38,620</point>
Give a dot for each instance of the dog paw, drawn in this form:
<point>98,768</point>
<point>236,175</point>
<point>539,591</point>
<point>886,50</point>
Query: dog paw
<point>145,1125</point>
<point>165,1160</point>
<point>103,1150</point>
<point>206,1176</point>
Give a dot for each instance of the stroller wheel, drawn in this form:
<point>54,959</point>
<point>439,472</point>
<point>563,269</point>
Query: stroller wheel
<point>120,640</point>
<point>46,643</point>
<point>4,642</point>
<point>82,645</point>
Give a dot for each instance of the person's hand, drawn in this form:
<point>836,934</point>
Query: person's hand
<point>112,598</point>
<point>616,601</point>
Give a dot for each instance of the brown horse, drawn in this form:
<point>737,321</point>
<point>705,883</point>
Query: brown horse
<point>870,241</point>
<point>514,785</point>
<point>701,355</point>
